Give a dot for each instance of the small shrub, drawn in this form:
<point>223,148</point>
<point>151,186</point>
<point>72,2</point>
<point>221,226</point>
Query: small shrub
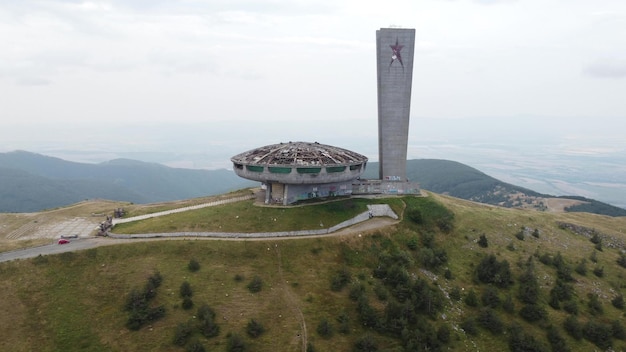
<point>238,278</point>
<point>520,235</point>
<point>618,301</point>
<point>622,260</point>
<point>489,320</point>
<point>455,293</point>
<point>508,305</point>
<point>581,268</point>
<point>595,307</point>
<point>594,257</point>
<point>325,329</point>
<point>187,303</point>
<point>598,333</point>
<point>448,274</point>
<point>482,241</point>
<point>471,299</point>
<point>182,334</point>
<point>469,326</point>
<point>195,346</point>
<point>310,347</point>
<point>340,280</point>
<point>571,307</point>
<point>254,328</point>
<point>618,330</point>
<point>536,233</point>
<point>573,327</point>
<point>344,323</point>
<point>412,243</point>
<point>234,343</point>
<point>357,290</point>
<point>255,285</point>
<point>185,290</point>
<point>193,265</point>
<point>598,271</point>
<point>557,342</point>
<point>443,334</point>
<point>490,297</point>
<point>365,343</point>
<point>533,312</point>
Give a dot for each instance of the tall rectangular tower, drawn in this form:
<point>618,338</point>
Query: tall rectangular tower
<point>394,63</point>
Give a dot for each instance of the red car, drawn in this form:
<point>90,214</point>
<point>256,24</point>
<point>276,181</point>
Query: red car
<point>63,241</point>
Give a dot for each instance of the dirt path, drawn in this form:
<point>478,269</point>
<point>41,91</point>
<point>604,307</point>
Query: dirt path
<point>292,300</point>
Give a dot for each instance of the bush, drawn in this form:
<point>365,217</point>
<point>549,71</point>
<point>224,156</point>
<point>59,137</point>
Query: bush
<point>365,343</point>
<point>471,299</point>
<point>595,307</point>
<point>491,271</point>
<point>557,342</point>
<point>344,322</point>
<point>469,326</point>
<point>254,328</point>
<point>533,312</point>
<point>195,346</point>
<point>508,305</point>
<point>187,303</point>
<point>489,320</point>
<point>310,347</point>
<point>618,330</point>
<point>357,290</point>
<point>598,333</point>
<point>455,293</point>
<point>528,291</point>
<point>206,322</point>
<point>443,334</point>
<point>573,327</point>
<point>182,334</point>
<point>482,241</point>
<point>622,260</point>
<point>255,285</point>
<point>412,243</point>
<point>618,301</point>
<point>185,290</point>
<point>193,265</point>
<point>490,297</point>
<point>340,280</point>
<point>581,268</point>
<point>235,343</point>
<point>571,307</point>
<point>519,341</point>
<point>598,271</point>
<point>325,329</point>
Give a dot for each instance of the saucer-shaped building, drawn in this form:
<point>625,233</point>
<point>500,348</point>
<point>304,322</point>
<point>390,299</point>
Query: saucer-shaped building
<point>300,170</point>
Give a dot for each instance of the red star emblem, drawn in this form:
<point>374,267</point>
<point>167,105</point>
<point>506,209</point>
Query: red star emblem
<point>395,49</point>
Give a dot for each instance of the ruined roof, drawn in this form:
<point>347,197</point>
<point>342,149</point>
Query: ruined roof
<point>299,154</point>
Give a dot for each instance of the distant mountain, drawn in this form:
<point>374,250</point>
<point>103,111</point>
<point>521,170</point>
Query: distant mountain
<point>461,181</point>
<point>33,182</point>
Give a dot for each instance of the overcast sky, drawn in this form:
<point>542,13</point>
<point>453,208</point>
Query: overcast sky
<point>84,64</point>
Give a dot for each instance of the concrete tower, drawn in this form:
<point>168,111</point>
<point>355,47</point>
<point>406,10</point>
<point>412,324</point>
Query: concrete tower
<point>394,63</point>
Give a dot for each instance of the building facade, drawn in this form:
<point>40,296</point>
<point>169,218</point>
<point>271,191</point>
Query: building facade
<point>394,63</point>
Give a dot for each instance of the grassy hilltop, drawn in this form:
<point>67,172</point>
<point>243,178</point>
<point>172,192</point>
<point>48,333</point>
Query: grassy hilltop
<point>451,275</point>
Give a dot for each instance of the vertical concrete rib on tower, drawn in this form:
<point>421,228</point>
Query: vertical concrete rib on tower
<point>394,62</point>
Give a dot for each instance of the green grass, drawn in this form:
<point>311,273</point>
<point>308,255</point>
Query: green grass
<point>247,217</point>
<point>74,301</point>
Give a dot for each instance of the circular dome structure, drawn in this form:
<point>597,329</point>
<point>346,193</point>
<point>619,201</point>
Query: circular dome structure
<point>299,163</point>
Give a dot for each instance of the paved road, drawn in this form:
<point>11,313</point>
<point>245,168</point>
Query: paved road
<point>361,222</point>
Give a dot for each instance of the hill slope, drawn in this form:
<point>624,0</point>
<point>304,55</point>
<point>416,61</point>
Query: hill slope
<point>536,282</point>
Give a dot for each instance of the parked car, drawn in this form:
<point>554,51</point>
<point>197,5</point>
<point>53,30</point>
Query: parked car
<point>63,241</point>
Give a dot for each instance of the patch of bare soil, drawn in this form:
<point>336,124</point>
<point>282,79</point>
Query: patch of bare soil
<point>558,205</point>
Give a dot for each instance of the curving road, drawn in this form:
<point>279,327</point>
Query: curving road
<point>381,216</point>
